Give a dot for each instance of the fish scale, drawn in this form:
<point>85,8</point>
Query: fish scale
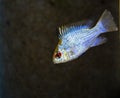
<point>76,37</point>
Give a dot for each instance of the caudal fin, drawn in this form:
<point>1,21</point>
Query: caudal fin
<point>106,22</point>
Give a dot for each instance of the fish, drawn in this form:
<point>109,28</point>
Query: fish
<point>75,39</point>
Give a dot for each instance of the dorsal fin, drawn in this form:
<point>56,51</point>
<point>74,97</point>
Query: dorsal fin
<point>85,24</point>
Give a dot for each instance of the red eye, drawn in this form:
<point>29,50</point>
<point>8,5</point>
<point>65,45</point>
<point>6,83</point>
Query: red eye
<point>58,55</point>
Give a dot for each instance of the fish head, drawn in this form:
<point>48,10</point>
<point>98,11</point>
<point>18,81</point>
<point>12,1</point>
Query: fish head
<point>59,56</point>
<point>63,54</point>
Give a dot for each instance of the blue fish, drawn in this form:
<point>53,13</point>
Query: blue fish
<point>75,39</point>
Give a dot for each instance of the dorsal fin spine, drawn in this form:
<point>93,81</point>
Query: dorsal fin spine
<point>59,30</point>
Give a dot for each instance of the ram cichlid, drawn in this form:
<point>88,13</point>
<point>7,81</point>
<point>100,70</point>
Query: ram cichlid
<point>77,38</point>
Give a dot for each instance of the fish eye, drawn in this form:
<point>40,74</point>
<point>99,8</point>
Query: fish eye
<point>58,55</point>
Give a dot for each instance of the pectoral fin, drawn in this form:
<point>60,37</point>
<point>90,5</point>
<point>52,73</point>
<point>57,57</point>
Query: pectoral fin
<point>99,41</point>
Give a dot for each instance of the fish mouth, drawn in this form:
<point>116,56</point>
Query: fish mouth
<point>56,62</point>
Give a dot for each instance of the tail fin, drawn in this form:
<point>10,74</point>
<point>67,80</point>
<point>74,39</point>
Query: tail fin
<point>106,22</point>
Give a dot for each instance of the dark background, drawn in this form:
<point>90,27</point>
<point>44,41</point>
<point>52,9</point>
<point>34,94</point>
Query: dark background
<point>29,37</point>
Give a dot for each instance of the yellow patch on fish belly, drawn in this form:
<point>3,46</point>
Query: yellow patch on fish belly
<point>66,56</point>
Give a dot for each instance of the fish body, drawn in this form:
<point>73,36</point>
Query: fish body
<point>76,39</point>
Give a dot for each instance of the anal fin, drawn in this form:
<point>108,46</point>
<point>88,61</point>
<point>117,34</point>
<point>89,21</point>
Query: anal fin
<point>99,41</point>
